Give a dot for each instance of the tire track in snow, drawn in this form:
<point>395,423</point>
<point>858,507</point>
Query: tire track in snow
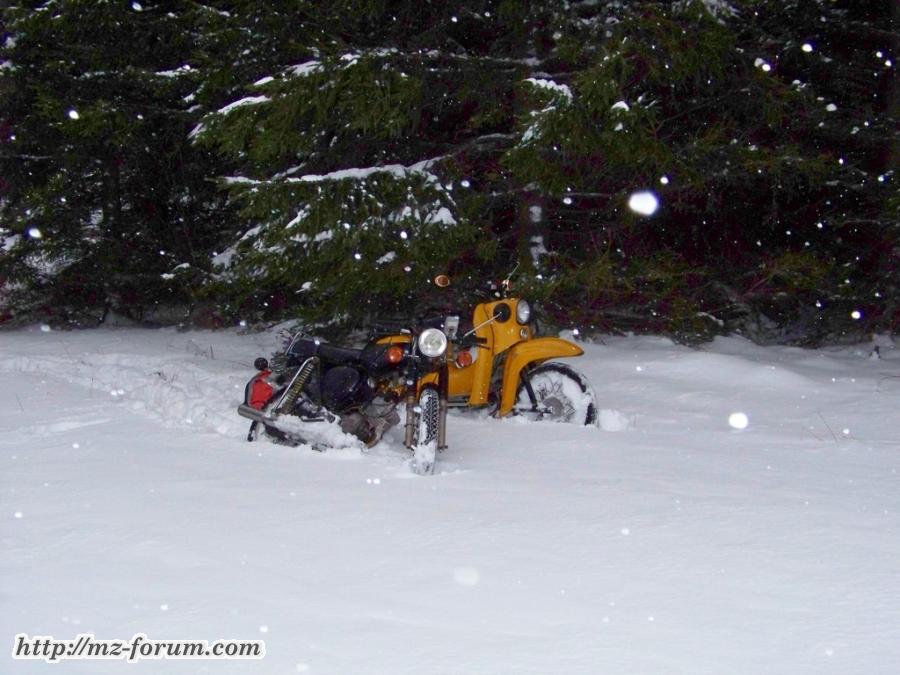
<point>177,392</point>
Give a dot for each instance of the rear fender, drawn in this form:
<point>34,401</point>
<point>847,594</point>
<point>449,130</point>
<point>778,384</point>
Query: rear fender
<point>258,390</point>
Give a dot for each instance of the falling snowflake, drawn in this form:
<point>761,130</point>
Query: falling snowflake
<point>644,203</point>
<point>738,420</point>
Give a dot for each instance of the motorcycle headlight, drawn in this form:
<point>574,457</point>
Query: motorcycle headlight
<point>432,342</point>
<point>523,311</point>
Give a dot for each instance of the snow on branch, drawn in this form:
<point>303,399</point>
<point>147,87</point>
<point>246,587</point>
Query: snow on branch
<point>248,100</point>
<point>560,89</point>
<point>396,170</point>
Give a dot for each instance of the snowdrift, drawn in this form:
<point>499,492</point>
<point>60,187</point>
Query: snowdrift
<point>737,511</point>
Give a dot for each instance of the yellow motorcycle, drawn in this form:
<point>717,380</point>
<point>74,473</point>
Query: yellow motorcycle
<point>500,365</point>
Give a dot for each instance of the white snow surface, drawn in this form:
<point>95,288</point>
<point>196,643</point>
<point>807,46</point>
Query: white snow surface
<point>662,541</point>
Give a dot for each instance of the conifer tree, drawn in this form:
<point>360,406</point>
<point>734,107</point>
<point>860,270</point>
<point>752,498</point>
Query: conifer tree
<point>687,167</point>
<point>106,204</point>
<point>759,128</point>
<point>356,164</point>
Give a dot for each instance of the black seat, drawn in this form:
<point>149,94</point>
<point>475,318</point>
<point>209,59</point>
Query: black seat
<point>334,354</point>
<point>303,348</point>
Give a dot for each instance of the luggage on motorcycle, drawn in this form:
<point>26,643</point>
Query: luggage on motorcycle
<point>344,387</point>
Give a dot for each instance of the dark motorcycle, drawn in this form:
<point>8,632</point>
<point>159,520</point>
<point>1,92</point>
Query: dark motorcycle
<point>320,385</point>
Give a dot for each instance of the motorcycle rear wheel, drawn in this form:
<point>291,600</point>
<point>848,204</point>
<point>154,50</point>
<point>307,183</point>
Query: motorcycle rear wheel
<point>563,395</point>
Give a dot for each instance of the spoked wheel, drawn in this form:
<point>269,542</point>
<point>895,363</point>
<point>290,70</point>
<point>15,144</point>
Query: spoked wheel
<point>562,395</point>
<point>426,437</point>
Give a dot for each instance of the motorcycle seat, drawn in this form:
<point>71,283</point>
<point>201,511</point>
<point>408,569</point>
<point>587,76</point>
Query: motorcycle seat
<point>305,347</point>
<point>334,354</point>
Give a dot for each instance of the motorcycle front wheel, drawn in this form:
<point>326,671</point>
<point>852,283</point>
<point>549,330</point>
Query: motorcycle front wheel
<point>426,436</point>
<point>562,394</point>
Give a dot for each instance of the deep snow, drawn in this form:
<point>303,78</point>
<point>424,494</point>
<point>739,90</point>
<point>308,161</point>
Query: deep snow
<point>666,541</point>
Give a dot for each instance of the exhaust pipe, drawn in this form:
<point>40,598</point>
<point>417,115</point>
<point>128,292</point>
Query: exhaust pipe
<point>245,410</point>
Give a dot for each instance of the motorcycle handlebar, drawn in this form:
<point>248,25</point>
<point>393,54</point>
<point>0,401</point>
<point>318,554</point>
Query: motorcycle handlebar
<point>412,326</point>
<point>391,326</point>
<point>470,341</point>
<point>396,326</point>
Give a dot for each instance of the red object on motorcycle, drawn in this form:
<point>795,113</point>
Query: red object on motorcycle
<point>464,359</point>
<point>259,391</point>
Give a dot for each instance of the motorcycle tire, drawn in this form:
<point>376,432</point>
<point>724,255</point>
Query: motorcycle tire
<point>563,395</point>
<point>426,437</point>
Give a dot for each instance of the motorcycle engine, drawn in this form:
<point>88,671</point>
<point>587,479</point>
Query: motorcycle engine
<point>358,425</point>
<point>370,424</point>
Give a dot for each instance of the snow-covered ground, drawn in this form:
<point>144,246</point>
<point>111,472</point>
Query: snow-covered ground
<point>666,541</point>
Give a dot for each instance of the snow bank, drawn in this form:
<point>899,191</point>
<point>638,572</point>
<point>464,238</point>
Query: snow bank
<point>670,540</point>
<point>184,380</point>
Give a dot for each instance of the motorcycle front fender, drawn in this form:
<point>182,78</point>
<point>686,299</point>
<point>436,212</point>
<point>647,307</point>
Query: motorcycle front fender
<point>526,353</point>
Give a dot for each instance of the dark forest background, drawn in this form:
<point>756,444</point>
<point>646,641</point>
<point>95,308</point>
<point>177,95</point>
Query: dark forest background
<point>215,162</point>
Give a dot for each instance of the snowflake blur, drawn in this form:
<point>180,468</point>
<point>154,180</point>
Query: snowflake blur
<point>644,203</point>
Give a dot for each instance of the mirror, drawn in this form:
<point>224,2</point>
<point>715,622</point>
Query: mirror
<point>502,312</point>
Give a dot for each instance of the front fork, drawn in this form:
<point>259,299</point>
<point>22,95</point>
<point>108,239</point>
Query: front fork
<point>410,431</point>
<point>412,393</point>
<point>443,404</point>
<point>526,381</point>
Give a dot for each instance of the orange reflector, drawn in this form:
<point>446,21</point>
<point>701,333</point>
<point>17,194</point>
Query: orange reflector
<point>464,359</point>
<point>394,354</point>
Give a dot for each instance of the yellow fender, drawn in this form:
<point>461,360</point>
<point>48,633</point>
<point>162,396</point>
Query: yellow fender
<point>536,350</point>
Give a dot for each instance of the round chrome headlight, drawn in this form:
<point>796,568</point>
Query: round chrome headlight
<point>432,342</point>
<point>523,311</point>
